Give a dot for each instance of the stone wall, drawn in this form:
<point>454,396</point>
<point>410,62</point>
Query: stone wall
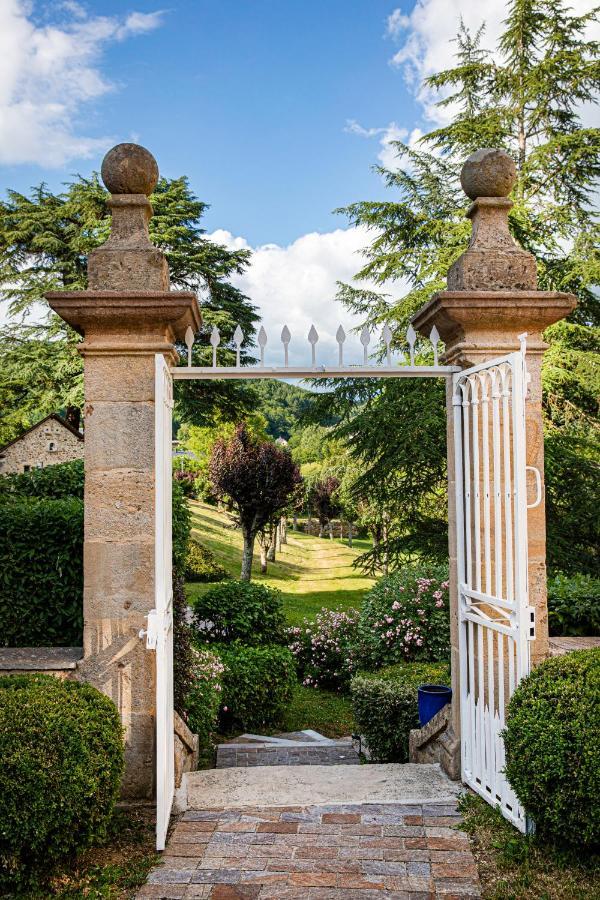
<point>47,443</point>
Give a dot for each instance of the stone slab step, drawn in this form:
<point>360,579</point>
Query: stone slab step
<point>237,755</point>
<point>290,739</point>
<point>232,788</point>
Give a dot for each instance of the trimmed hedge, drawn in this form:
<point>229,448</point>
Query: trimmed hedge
<point>53,482</point>
<point>61,746</point>
<point>239,611</point>
<point>385,706</point>
<point>182,527</point>
<point>201,565</point>
<point>258,685</point>
<point>41,573</point>
<point>552,741</point>
<point>574,605</point>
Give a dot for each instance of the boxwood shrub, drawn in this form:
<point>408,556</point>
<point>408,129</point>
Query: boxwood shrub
<point>41,572</point>
<point>61,746</point>
<point>201,565</point>
<point>258,685</point>
<point>385,706</point>
<point>239,611</point>
<point>553,747</point>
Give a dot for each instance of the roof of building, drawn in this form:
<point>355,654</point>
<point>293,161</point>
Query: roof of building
<point>59,419</point>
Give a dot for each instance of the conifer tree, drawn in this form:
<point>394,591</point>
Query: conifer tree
<point>525,96</point>
<point>45,240</point>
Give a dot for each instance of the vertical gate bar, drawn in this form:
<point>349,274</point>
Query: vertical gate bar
<point>481,706</point>
<point>485,450</point>
<point>491,712</point>
<point>497,465</point>
<point>463,652</point>
<point>501,712</point>
<point>474,380</point>
<point>465,387</point>
<point>508,504</point>
<point>472,723</point>
<point>520,506</point>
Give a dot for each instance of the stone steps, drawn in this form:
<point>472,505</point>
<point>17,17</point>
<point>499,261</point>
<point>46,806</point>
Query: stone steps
<point>299,748</point>
<point>303,785</point>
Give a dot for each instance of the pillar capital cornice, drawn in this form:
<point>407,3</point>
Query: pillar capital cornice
<point>128,322</point>
<point>479,325</point>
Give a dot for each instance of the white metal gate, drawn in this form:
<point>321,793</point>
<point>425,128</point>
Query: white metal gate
<point>160,621</point>
<point>496,623</point>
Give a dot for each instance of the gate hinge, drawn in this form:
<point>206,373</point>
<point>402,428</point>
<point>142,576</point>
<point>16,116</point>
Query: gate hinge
<point>530,622</point>
<point>151,632</point>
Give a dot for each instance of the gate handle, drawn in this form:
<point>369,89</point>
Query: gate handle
<point>538,486</point>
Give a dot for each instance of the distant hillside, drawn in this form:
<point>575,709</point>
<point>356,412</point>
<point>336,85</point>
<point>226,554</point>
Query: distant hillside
<point>282,405</point>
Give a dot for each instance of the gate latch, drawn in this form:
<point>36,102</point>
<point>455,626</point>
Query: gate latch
<point>530,622</point>
<point>151,632</point>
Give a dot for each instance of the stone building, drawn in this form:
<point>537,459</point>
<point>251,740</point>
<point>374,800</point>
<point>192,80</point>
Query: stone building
<point>53,440</point>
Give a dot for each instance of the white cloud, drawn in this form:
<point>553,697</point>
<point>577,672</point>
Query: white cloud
<point>388,135</point>
<point>296,285</point>
<point>48,72</point>
<point>426,41</point>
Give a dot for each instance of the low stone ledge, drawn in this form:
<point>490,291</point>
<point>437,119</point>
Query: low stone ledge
<point>558,646</point>
<point>60,661</point>
<point>186,749</point>
<point>437,743</point>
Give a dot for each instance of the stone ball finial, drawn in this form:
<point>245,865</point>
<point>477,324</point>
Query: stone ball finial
<point>488,173</point>
<point>129,169</point>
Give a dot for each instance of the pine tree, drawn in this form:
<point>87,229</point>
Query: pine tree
<point>45,240</point>
<point>525,97</point>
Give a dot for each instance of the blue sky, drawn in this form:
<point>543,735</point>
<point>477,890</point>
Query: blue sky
<point>276,110</point>
<point>250,100</point>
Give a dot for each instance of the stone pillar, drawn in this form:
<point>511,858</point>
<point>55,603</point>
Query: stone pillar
<point>127,315</point>
<point>492,298</point>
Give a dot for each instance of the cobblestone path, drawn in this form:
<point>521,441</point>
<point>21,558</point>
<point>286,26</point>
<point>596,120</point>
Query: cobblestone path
<point>324,852</point>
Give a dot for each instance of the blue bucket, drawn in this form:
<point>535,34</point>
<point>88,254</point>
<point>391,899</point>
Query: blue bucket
<point>432,698</point>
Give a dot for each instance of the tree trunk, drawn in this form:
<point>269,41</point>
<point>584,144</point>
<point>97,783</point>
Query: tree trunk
<point>330,527</point>
<point>321,527</point>
<point>386,552</point>
<point>350,534</point>
<point>271,544</point>
<point>283,530</point>
<point>247,555</point>
<point>295,522</point>
<point>263,560</point>
<point>278,537</point>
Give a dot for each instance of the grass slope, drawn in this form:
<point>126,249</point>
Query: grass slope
<point>311,572</point>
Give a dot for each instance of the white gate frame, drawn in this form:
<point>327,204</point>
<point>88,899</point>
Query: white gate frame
<point>159,636</point>
<point>480,732</point>
<point>496,623</point>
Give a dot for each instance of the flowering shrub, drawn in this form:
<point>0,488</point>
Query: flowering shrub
<point>325,650</point>
<point>204,697</point>
<point>406,617</point>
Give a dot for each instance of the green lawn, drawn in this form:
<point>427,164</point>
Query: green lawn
<point>311,572</point>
